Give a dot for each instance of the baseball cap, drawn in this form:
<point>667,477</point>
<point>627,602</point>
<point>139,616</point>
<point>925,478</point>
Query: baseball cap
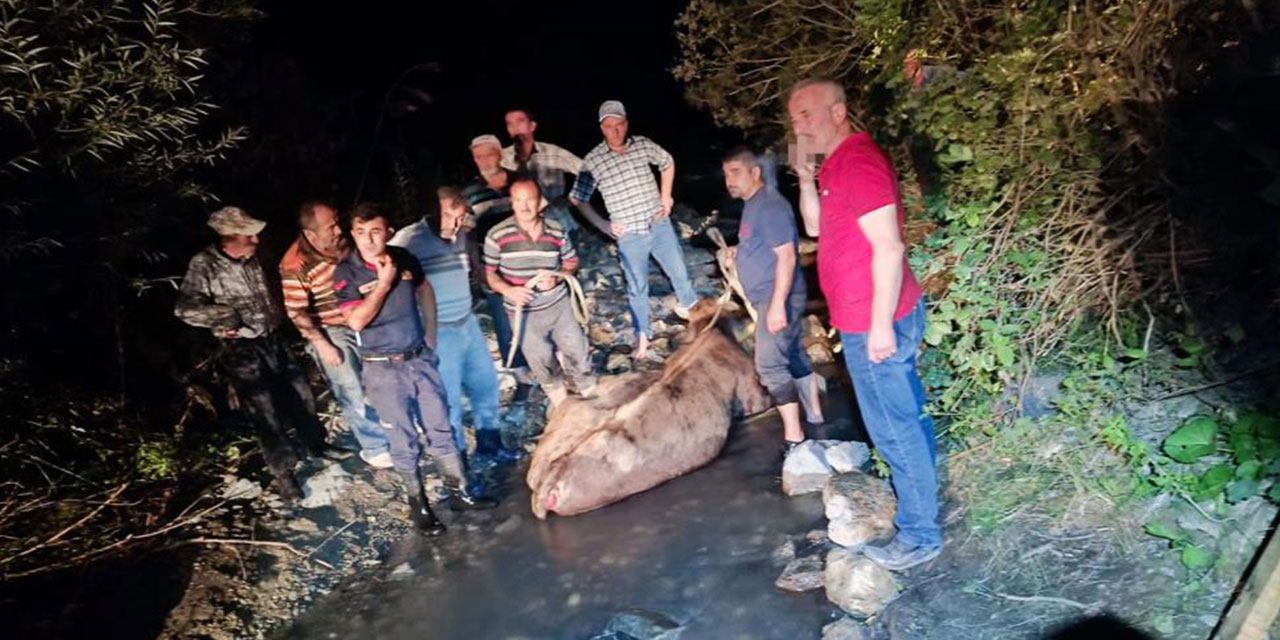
<point>233,221</point>
<point>612,109</point>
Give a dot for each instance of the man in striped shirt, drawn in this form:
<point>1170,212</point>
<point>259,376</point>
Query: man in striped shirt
<point>515,251</point>
<point>465,364</point>
<point>306,275</point>
<point>639,213</point>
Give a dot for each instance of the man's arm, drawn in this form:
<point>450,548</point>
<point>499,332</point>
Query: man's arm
<point>784,271</point>
<point>514,293</point>
<point>810,203</point>
<point>596,220</point>
<point>195,304</point>
<point>368,308</point>
<point>887,250</point>
<point>427,304</point>
<point>668,179</point>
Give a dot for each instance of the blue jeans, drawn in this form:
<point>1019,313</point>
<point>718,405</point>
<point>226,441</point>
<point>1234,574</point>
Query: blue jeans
<point>348,391</point>
<point>891,401</point>
<point>634,249</point>
<point>467,367</point>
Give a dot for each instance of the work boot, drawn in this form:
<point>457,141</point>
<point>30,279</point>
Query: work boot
<point>420,513</point>
<point>286,486</point>
<point>454,471</point>
<point>489,445</point>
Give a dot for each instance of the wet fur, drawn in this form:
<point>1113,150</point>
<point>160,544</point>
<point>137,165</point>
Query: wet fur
<point>643,429</point>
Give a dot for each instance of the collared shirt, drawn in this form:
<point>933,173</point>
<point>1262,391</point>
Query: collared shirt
<point>222,293</point>
<point>768,222</point>
<point>306,277</point>
<point>625,180</point>
<point>513,255</point>
<point>549,162</point>
<point>398,326</point>
<point>855,180</point>
<point>489,206</point>
<point>445,264</point>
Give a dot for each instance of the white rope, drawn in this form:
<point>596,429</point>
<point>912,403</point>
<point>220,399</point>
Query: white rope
<point>578,302</point>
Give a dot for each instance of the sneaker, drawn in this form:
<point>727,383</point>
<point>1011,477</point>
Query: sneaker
<point>898,555</point>
<point>380,460</point>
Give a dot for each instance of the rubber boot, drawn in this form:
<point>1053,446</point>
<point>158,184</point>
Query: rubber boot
<point>454,471</point>
<point>286,486</point>
<point>489,445</point>
<point>420,513</point>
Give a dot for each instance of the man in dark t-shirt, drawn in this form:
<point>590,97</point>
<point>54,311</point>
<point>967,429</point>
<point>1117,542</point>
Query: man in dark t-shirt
<point>392,308</point>
<point>766,259</point>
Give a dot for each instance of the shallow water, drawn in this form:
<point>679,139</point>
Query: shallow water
<point>695,550</point>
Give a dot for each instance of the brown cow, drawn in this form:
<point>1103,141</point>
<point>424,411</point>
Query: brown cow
<point>642,429</point>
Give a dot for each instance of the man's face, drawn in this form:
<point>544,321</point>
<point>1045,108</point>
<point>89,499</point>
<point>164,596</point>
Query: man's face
<point>524,202</point>
<point>741,179</point>
<point>327,235</point>
<point>519,126</point>
<point>488,159</point>
<point>451,213</point>
<point>813,118</point>
<point>614,130</point>
<point>239,246</point>
<point>371,236</point>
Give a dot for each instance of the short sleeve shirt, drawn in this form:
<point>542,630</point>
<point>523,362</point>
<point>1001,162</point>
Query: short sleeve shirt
<point>768,222</point>
<point>398,326</point>
<point>445,264</point>
<point>517,258</point>
<point>625,180</point>
<point>854,181</point>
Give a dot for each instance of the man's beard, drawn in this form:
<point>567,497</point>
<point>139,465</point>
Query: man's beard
<point>489,173</point>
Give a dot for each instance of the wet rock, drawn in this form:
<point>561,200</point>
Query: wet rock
<point>402,571</point>
<point>786,552</point>
<point>857,585</point>
<point>240,489</point>
<point>805,470</point>
<point>801,574</point>
<point>602,334</point>
<point>321,489</point>
<point>846,457</point>
<point>845,628</point>
<point>644,625</point>
<point>303,525</point>
<point>617,361</point>
<point>860,508</point>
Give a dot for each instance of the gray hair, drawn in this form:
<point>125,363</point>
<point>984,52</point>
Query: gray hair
<point>834,90</point>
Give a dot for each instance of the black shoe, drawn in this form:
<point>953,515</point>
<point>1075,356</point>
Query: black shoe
<point>522,392</point>
<point>333,452</point>
<point>454,471</point>
<point>422,517</point>
<point>489,445</point>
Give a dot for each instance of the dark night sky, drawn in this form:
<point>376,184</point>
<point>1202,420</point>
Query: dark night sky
<point>561,59</point>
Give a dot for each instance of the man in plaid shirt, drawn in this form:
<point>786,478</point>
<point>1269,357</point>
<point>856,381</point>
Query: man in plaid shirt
<point>639,213</point>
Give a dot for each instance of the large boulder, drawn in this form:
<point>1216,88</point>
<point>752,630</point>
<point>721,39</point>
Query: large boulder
<point>805,470</point>
<point>858,585</point>
<point>323,488</point>
<point>860,508</point>
<point>845,628</point>
<point>801,574</point>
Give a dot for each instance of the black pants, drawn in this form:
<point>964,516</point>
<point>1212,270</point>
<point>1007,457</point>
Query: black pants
<point>273,391</point>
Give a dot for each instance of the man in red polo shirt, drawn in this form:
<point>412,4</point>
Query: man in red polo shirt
<point>856,212</point>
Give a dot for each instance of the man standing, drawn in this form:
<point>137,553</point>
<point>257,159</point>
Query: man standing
<point>225,291</point>
<point>516,252</point>
<point>547,162</point>
<point>392,308</point>
<point>773,282</point>
<point>490,203</point>
<point>465,363</point>
<point>639,213</point>
<point>306,275</point>
<point>856,212</point>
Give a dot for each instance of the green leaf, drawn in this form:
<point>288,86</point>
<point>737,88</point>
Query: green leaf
<point>1257,422</point>
<point>1213,481</point>
<point>936,331</point>
<point>1164,531</point>
<point>1242,490</point>
<point>1251,470</point>
<point>1135,353</point>
<point>1193,440</point>
<point>1244,446</point>
<point>1194,557</point>
<point>1274,493</point>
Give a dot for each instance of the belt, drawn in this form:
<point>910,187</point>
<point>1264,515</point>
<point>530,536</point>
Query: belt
<point>396,357</point>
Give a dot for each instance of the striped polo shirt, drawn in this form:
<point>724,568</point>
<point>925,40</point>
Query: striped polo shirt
<point>306,276</point>
<point>445,265</point>
<point>513,255</point>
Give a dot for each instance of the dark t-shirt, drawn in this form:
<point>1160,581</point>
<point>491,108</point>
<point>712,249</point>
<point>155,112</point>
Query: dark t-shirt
<point>398,326</point>
<point>768,222</point>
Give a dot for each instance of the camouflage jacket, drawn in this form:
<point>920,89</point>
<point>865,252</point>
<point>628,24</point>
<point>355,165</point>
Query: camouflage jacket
<point>221,293</point>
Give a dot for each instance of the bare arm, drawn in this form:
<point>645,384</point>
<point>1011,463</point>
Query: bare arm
<point>371,305</point>
<point>514,293</point>
<point>887,250</point>
<point>427,304</point>
<point>668,179</point>
<point>810,203</point>
<point>589,213</point>
<point>783,273</point>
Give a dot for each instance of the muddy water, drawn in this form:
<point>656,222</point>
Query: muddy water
<point>695,550</point>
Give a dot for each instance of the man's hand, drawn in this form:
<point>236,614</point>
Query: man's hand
<point>881,343</point>
<point>667,203</point>
<point>330,355</point>
<point>547,280</point>
<point>518,296</point>
<point>617,229</point>
<point>731,254</point>
<point>804,171</point>
<point>387,270</point>
<point>776,319</point>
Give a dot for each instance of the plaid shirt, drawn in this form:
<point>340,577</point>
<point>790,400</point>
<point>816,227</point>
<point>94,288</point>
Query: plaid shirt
<point>625,180</point>
<point>221,293</point>
<point>549,162</point>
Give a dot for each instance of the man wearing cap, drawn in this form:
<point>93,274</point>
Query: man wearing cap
<point>225,290</point>
<point>392,308</point>
<point>516,252</point>
<point>639,213</point>
<point>306,277</point>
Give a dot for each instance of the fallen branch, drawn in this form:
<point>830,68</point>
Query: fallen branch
<point>1047,600</point>
<point>1212,385</point>
<point>258,543</point>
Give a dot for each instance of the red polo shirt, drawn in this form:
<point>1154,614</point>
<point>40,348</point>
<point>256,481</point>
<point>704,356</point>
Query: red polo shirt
<point>856,180</point>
